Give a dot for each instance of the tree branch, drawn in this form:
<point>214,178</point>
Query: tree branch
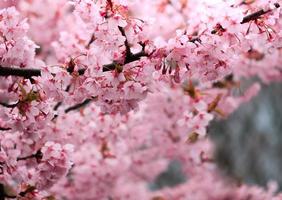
<point>253,16</point>
<point>3,194</point>
<point>4,129</point>
<point>126,44</point>
<point>256,15</point>
<point>28,72</point>
<point>60,103</point>
<point>129,56</point>
<point>92,39</point>
<point>21,72</point>
<point>8,105</point>
<point>77,106</point>
<point>38,156</point>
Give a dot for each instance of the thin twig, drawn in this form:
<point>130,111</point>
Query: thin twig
<point>78,106</point>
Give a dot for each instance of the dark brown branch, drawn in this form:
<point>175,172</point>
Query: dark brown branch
<point>256,15</point>
<point>4,129</point>
<point>21,72</point>
<point>129,56</point>
<point>253,16</point>
<point>26,157</point>
<point>3,194</point>
<point>57,105</point>
<point>196,39</point>
<point>8,105</point>
<point>136,56</point>
<point>27,73</point>
<point>92,39</point>
<point>222,84</point>
<point>38,156</point>
<point>132,58</point>
<point>78,106</point>
<point>28,190</point>
<point>60,103</point>
<point>128,53</point>
<point>109,67</point>
<point>71,66</point>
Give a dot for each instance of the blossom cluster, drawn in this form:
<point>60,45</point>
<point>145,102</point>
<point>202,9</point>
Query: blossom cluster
<point>98,97</point>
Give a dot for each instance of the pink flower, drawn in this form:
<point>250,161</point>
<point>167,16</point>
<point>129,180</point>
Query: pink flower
<point>54,164</point>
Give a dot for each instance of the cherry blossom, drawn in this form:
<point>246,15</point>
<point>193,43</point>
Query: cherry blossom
<point>97,98</point>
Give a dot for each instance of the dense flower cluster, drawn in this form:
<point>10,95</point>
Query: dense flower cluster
<point>98,97</point>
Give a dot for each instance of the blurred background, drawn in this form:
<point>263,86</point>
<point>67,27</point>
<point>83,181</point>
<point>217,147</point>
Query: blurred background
<point>249,142</point>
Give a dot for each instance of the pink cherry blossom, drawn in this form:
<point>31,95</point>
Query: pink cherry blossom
<point>97,98</point>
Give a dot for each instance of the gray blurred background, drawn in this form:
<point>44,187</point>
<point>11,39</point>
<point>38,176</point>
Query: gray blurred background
<point>249,142</point>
